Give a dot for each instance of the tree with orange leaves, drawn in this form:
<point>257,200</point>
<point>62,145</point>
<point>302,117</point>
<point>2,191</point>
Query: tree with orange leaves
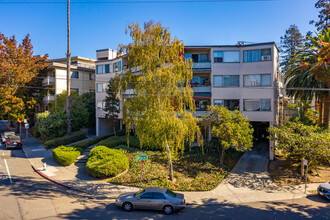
<point>18,66</point>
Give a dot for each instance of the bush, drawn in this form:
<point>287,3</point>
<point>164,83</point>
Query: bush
<point>66,155</point>
<point>51,125</point>
<point>105,162</point>
<point>35,132</point>
<point>68,139</point>
<point>121,132</point>
<point>115,141</point>
<point>86,143</point>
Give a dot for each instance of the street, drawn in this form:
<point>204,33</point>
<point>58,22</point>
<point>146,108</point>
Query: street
<point>26,195</point>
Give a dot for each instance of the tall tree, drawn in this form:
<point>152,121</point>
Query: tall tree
<point>18,66</point>
<point>324,15</point>
<point>231,128</point>
<point>157,109</point>
<point>310,70</point>
<point>111,104</point>
<point>290,43</point>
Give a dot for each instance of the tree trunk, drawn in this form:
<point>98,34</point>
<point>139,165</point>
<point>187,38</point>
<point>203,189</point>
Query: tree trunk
<point>68,75</point>
<point>326,107</point>
<point>302,167</point>
<point>170,164</point>
<point>222,156</point>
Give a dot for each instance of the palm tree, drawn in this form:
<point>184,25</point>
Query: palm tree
<point>309,69</point>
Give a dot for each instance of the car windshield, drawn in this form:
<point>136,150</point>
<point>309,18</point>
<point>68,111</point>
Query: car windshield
<point>138,193</point>
<point>15,138</point>
<point>170,193</point>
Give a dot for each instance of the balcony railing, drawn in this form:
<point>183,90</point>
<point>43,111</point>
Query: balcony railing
<point>203,65</point>
<point>48,98</point>
<point>48,81</point>
<point>201,88</point>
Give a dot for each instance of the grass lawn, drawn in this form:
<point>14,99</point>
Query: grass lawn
<point>286,172</point>
<point>192,171</point>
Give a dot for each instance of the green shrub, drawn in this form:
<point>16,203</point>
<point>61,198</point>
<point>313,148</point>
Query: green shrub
<point>35,132</point>
<point>105,162</point>
<point>51,125</point>
<point>68,139</point>
<point>121,132</point>
<point>115,141</point>
<point>86,143</point>
<point>66,155</point>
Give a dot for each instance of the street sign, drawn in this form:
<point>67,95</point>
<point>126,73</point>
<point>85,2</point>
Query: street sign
<point>25,121</point>
<point>142,158</point>
<point>305,162</point>
<point>27,126</point>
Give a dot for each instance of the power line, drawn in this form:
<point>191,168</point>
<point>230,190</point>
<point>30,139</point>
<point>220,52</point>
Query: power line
<point>133,2</point>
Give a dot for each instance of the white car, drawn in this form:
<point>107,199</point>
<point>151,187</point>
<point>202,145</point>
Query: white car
<point>324,190</point>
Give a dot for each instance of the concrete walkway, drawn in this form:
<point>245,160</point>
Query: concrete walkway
<point>249,181</point>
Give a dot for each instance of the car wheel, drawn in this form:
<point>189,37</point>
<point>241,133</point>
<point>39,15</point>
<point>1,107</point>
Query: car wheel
<point>127,206</point>
<point>168,209</point>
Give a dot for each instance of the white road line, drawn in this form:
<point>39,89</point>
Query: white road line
<point>8,171</point>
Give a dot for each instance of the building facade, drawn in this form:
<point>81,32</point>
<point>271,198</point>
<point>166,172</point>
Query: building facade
<point>54,78</point>
<point>242,77</point>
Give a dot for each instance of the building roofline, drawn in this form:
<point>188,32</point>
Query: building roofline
<point>245,45</point>
<point>75,57</point>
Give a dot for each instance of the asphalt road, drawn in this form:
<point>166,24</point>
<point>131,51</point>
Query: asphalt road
<point>26,195</point>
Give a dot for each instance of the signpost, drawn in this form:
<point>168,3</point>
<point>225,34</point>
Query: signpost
<point>142,157</point>
<point>305,162</point>
<point>27,126</point>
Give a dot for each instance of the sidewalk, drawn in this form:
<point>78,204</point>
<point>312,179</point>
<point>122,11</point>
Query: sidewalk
<point>249,181</point>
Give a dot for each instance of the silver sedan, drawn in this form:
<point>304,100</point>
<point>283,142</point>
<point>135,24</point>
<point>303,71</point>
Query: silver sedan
<point>154,198</point>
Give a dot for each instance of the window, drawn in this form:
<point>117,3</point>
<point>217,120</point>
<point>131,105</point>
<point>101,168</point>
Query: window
<point>201,105</point>
<point>158,195</point>
<point>197,58</point>
<point>139,193</point>
<point>106,68</point>
<point>99,69</point>
<point>53,74</point>
<point>256,55</point>
<point>255,80</point>
<point>257,105</point>
<point>226,56</point>
<point>101,105</point>
<point>147,195</point>
<point>226,81</point>
<point>75,75</point>
<point>117,66</point>
<point>91,76</point>
<point>231,104</point>
<point>187,56</point>
<point>170,193</point>
<point>101,87</point>
<point>46,108</point>
<point>75,89</point>
<point>91,90</point>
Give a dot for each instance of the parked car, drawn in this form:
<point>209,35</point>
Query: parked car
<point>14,142</point>
<point>324,190</point>
<point>5,135</point>
<point>153,198</point>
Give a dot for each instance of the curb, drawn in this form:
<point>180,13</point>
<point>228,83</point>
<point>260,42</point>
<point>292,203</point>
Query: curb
<point>51,179</point>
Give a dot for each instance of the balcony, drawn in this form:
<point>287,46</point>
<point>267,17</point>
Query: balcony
<point>201,88</point>
<point>128,93</point>
<point>48,81</point>
<point>48,98</point>
<point>202,67</point>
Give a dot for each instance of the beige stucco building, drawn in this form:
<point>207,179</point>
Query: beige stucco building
<point>243,77</point>
<point>54,78</point>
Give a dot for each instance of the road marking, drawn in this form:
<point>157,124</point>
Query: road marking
<point>8,171</point>
<point>39,149</point>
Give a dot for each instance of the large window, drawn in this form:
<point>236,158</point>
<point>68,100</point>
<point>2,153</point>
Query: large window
<point>226,56</point>
<point>75,75</point>
<point>257,105</point>
<point>201,105</point>
<point>231,104</point>
<point>106,68</point>
<point>197,58</point>
<point>117,66</point>
<point>200,80</point>
<point>256,55</point>
<point>226,81</point>
<point>101,87</point>
<point>255,80</point>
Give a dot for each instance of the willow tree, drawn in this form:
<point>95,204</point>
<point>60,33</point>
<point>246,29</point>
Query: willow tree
<point>159,76</point>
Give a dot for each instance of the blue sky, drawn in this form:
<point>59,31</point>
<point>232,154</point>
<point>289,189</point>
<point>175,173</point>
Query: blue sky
<point>99,26</point>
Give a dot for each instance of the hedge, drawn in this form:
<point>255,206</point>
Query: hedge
<point>115,141</point>
<point>105,162</point>
<point>68,139</point>
<point>35,132</point>
<point>66,155</point>
<point>86,143</point>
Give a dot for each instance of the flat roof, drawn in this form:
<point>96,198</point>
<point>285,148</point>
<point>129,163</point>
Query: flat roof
<point>243,45</point>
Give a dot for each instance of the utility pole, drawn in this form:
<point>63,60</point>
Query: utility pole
<point>68,75</point>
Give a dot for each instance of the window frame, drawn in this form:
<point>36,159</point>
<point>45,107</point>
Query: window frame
<point>263,74</point>
<point>224,103</point>
<point>260,105</point>
<point>72,75</point>
<point>223,55</point>
<point>225,86</point>
<point>260,58</point>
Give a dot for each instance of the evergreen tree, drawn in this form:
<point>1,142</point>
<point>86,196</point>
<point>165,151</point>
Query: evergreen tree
<point>290,43</point>
<point>324,15</point>
<point>111,104</point>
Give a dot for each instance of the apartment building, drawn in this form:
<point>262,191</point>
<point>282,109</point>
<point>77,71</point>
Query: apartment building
<point>54,78</point>
<point>245,77</point>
